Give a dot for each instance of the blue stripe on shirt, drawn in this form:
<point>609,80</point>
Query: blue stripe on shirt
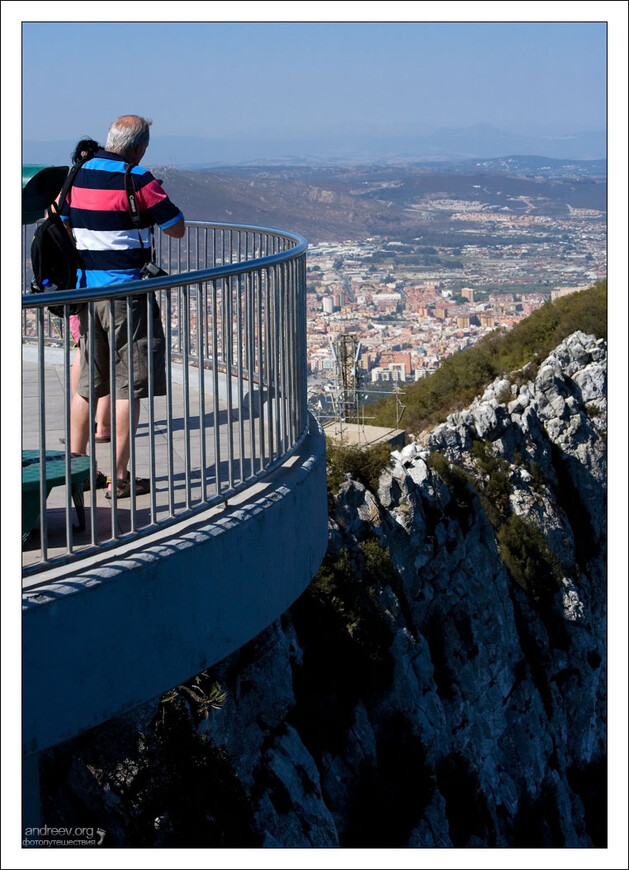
<point>172,222</point>
<point>101,278</point>
<point>101,164</point>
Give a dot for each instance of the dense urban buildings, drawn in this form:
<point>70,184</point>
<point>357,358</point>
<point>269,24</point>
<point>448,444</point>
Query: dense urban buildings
<point>412,305</point>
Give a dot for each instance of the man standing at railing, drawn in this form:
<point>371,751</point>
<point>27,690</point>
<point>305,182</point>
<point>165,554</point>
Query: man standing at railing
<point>114,250</point>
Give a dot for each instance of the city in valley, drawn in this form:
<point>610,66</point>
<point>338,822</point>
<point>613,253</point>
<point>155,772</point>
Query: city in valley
<point>467,267</point>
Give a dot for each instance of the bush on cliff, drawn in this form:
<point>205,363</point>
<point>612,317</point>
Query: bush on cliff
<point>363,463</point>
<point>528,558</point>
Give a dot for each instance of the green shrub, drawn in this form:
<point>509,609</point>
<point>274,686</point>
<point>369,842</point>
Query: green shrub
<point>460,484</point>
<point>365,464</point>
<point>348,587</point>
<point>378,564</point>
<point>528,558</point>
<point>494,487</point>
<point>522,546</point>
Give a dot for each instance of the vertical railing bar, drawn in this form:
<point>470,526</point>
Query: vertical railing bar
<point>152,307</point>
<point>201,318</point>
<point>67,398</point>
<point>295,338</point>
<point>131,302</point>
<point>241,400</point>
<point>193,346</point>
<point>279,375</point>
<point>228,356</point>
<point>250,320</point>
<point>206,265</point>
<point>41,416</point>
<point>215,395</point>
<point>170,460</point>
<point>112,412</point>
<point>290,371</point>
<point>91,421</point>
<point>277,330</point>
<point>302,350</point>
<point>298,347</point>
<point>283,325</point>
<point>180,317</point>
<point>186,388</point>
<point>270,345</point>
<point>261,373</point>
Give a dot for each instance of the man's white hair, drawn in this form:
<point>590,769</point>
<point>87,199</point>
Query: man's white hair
<point>126,133</point>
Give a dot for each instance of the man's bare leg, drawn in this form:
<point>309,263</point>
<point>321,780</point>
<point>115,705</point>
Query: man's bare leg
<point>75,372</point>
<point>79,424</point>
<point>123,434</point>
<point>103,412</point>
<point>103,405</point>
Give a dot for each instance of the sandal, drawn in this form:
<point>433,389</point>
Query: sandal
<point>101,482</point>
<point>123,487</point>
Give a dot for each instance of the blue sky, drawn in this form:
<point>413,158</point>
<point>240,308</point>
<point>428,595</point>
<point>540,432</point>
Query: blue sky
<point>274,79</point>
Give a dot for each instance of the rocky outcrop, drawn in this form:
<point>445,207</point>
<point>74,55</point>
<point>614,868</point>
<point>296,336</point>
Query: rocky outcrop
<point>442,681</point>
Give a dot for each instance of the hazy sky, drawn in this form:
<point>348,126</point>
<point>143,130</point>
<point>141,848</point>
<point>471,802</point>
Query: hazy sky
<point>274,79</point>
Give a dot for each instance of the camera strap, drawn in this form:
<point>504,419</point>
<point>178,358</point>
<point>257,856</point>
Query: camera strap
<point>134,211</point>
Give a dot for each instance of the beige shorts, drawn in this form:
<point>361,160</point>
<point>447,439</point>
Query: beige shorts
<point>143,356</point>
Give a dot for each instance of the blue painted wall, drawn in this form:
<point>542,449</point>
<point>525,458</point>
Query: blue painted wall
<point>111,636</point>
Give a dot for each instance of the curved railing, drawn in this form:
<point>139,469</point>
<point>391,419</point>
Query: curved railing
<point>233,313</point>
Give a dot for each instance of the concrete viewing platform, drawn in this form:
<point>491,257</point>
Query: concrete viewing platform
<point>137,617</point>
<point>175,448</point>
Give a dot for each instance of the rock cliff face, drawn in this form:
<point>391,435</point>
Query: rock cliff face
<point>442,681</point>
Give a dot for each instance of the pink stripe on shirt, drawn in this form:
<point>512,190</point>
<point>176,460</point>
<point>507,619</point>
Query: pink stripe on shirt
<point>98,200</point>
<point>151,194</point>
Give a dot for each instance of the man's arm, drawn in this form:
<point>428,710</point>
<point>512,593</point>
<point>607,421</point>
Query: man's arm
<point>176,230</point>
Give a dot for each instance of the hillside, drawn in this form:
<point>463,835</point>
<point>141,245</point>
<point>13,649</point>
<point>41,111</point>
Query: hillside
<point>346,202</point>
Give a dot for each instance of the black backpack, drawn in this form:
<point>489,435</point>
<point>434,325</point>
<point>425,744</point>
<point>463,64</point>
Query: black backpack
<point>54,256</point>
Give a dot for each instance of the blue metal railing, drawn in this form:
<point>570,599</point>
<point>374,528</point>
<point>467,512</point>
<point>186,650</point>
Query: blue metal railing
<point>233,313</point>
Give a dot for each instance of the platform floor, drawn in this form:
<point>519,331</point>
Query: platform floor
<point>236,446</point>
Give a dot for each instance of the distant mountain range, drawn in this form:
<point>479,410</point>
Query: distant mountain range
<point>409,143</point>
<point>352,201</point>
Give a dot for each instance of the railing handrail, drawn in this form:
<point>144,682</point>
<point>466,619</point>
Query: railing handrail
<point>131,288</point>
<point>241,324</point>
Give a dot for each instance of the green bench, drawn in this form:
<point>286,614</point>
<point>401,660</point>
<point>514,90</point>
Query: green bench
<point>55,476</point>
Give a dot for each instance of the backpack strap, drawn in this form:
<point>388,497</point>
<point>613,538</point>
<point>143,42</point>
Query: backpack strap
<point>57,205</point>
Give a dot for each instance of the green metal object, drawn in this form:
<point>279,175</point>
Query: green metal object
<point>40,186</point>
<point>55,476</point>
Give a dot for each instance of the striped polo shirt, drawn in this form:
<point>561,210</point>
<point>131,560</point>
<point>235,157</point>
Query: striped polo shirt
<point>98,210</point>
